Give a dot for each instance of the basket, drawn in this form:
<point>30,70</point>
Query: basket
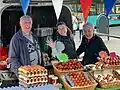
<point>60,73</point>
<point>111,66</point>
<point>89,87</point>
<point>108,84</point>
<point>116,72</point>
<point>94,67</point>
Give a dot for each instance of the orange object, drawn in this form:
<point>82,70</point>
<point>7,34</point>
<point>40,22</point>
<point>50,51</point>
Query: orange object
<point>103,54</point>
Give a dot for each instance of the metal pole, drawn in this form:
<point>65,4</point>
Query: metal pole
<point>108,34</point>
<point>108,29</point>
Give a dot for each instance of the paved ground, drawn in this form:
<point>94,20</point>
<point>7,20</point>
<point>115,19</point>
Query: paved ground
<point>115,30</point>
<point>113,44</point>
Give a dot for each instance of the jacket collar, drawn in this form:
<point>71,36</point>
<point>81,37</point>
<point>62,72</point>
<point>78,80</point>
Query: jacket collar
<point>90,40</point>
<point>21,36</point>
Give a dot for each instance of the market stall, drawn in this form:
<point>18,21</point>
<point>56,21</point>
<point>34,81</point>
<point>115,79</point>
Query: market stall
<point>105,73</point>
<point>102,79</point>
<point>69,75</point>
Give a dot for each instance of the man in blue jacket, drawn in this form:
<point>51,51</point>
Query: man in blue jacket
<point>24,48</point>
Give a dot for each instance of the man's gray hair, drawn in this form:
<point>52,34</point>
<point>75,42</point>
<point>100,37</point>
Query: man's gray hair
<point>25,18</point>
<point>88,25</point>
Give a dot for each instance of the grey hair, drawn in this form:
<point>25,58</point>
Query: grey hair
<point>88,25</point>
<point>25,18</point>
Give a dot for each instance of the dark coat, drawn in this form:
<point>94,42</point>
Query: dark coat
<point>69,46</point>
<point>18,52</point>
<point>91,49</point>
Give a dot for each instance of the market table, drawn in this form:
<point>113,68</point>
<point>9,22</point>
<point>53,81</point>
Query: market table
<point>117,88</point>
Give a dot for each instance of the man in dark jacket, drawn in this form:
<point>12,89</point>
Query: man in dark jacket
<point>24,48</point>
<point>91,45</point>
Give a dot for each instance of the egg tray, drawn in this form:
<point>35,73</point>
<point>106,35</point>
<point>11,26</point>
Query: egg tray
<point>60,73</point>
<point>89,87</point>
<point>33,80</point>
<point>25,85</point>
<point>34,73</point>
<point>104,72</point>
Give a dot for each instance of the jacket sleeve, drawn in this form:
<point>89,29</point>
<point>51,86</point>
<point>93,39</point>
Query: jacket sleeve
<point>14,56</point>
<point>103,46</point>
<point>74,45</point>
<point>72,40</point>
<point>81,48</point>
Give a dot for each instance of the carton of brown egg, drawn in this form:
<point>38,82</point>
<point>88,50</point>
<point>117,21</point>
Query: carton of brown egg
<point>33,75</point>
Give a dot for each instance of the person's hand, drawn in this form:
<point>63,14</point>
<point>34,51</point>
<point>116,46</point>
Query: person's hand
<point>51,43</point>
<point>102,54</point>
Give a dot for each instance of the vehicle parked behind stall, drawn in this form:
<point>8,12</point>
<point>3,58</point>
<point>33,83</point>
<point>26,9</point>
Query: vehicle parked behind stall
<point>44,22</point>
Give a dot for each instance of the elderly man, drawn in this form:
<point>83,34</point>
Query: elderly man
<point>24,48</point>
<point>91,45</point>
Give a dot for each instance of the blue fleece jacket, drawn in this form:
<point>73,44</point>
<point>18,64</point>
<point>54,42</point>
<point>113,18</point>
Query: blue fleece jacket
<point>18,52</point>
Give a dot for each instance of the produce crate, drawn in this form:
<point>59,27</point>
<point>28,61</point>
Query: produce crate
<point>60,73</point>
<point>89,87</point>
<point>104,73</point>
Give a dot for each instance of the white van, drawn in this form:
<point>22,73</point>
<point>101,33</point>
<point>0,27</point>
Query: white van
<point>43,15</point>
<point>41,11</point>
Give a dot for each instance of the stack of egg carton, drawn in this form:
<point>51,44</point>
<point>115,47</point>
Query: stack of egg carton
<point>32,75</point>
